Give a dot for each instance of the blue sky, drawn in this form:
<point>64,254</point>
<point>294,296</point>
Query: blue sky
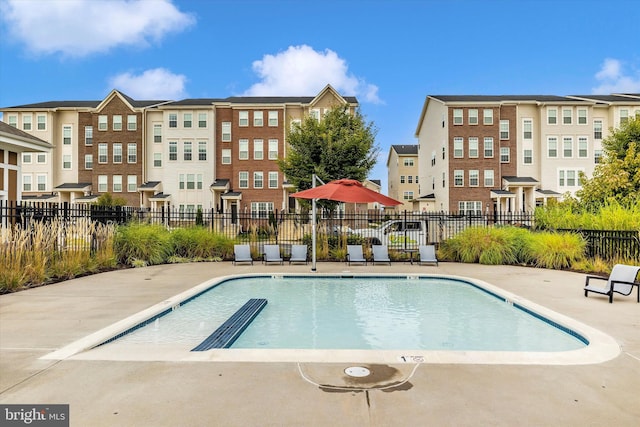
<point>389,54</point>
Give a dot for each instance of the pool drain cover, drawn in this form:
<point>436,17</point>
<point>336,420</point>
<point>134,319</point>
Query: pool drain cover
<point>357,371</point>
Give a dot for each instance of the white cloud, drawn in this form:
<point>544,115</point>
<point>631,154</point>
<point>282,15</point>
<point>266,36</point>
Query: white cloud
<point>155,84</point>
<point>613,79</point>
<point>81,27</point>
<point>302,71</point>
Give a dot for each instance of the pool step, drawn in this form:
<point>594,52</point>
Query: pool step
<point>230,330</point>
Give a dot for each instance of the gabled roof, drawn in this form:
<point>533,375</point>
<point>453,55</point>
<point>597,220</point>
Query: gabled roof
<point>500,98</point>
<point>51,105</point>
<point>405,149</point>
<point>132,103</point>
<point>610,99</point>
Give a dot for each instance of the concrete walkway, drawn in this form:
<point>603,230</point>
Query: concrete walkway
<point>36,322</point>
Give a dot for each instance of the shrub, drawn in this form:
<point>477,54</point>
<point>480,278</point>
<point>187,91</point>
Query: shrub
<point>150,244</point>
<point>200,243</point>
<point>486,245</point>
<point>556,250</point>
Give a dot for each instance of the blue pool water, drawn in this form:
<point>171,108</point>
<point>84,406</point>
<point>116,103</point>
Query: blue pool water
<point>312,312</point>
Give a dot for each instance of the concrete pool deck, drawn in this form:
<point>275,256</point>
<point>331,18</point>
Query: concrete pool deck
<point>36,322</point>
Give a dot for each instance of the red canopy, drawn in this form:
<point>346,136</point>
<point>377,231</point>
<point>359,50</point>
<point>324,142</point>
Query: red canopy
<point>347,191</point>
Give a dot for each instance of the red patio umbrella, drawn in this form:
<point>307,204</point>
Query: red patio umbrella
<point>347,191</point>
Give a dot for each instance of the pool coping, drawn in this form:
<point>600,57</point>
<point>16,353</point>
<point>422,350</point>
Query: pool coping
<point>601,347</point>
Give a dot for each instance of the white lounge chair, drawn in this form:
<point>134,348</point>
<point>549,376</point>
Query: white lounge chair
<point>354,254</point>
<point>298,254</point>
<point>427,255</point>
<point>380,254</point>
<point>272,254</point>
<point>242,253</point>
<point>621,280</point>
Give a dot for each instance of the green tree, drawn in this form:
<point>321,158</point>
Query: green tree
<point>340,145</point>
<point>107,199</point>
<point>617,178</point>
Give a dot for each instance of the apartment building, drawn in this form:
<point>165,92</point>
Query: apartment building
<point>13,142</point>
<point>510,153</point>
<point>205,153</point>
<point>402,179</point>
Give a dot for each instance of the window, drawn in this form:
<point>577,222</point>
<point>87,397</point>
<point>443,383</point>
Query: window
<point>66,135</point>
<point>117,153</point>
<point>567,146</point>
<point>243,118</point>
<point>552,146</point>
<point>407,195</point>
<point>226,156</point>
<point>132,183</point>
<point>470,208</point>
<point>191,181</point>
<point>117,122</point>
<point>527,157</point>
<point>552,116</point>
<point>187,120</point>
<point>458,147</point>
<point>583,147</point>
<point>488,147</point>
<point>187,150</point>
<point>117,183</point>
<point>273,118</point>
<point>582,116</point>
<point>13,121</point>
<point>273,149</point>
<point>315,113</point>
<point>624,116</point>
<point>402,179</point>
<point>173,120</point>
<point>258,149</point>
<point>258,180</point>
<point>457,117</point>
<point>597,156</point>
<point>41,120</point>
<point>261,209</point>
<point>258,118</point>
<point>42,182</point>
<point>458,178</point>
<point>157,132</point>
<point>243,146</point>
<point>487,116</point>
<point>443,152</point>
<point>409,179</point>
<point>444,179</point>
<point>505,154</point>
<point>527,129</point>
<point>567,116</point>
<point>273,179</point>
<point>569,178</point>
<point>202,150</point>
<point>132,152</point>
<point>26,158</point>
<point>41,158</point>
<point>226,131</point>
<point>199,181</point>
<point>474,178</point>
<point>88,161</point>
<point>88,135</point>
<point>103,123</point>
<point>132,122</point>
<point>157,160</point>
<point>473,116</point>
<point>26,182</point>
<point>26,122</point>
<point>103,183</point>
<point>473,147</point>
<point>173,150</point>
<point>295,124</point>
<point>597,129</point>
<point>488,178</point>
<point>243,180</point>
<point>504,129</point>
<point>181,183</point>
<point>202,120</point>
<point>103,153</point>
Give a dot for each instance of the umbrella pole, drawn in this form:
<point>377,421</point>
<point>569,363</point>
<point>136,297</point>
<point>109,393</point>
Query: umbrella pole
<point>313,232</point>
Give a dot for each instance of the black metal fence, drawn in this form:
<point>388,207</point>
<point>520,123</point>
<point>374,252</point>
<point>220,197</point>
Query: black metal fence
<point>398,230</point>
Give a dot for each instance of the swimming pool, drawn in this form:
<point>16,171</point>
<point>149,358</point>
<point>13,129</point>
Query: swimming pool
<point>361,317</point>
